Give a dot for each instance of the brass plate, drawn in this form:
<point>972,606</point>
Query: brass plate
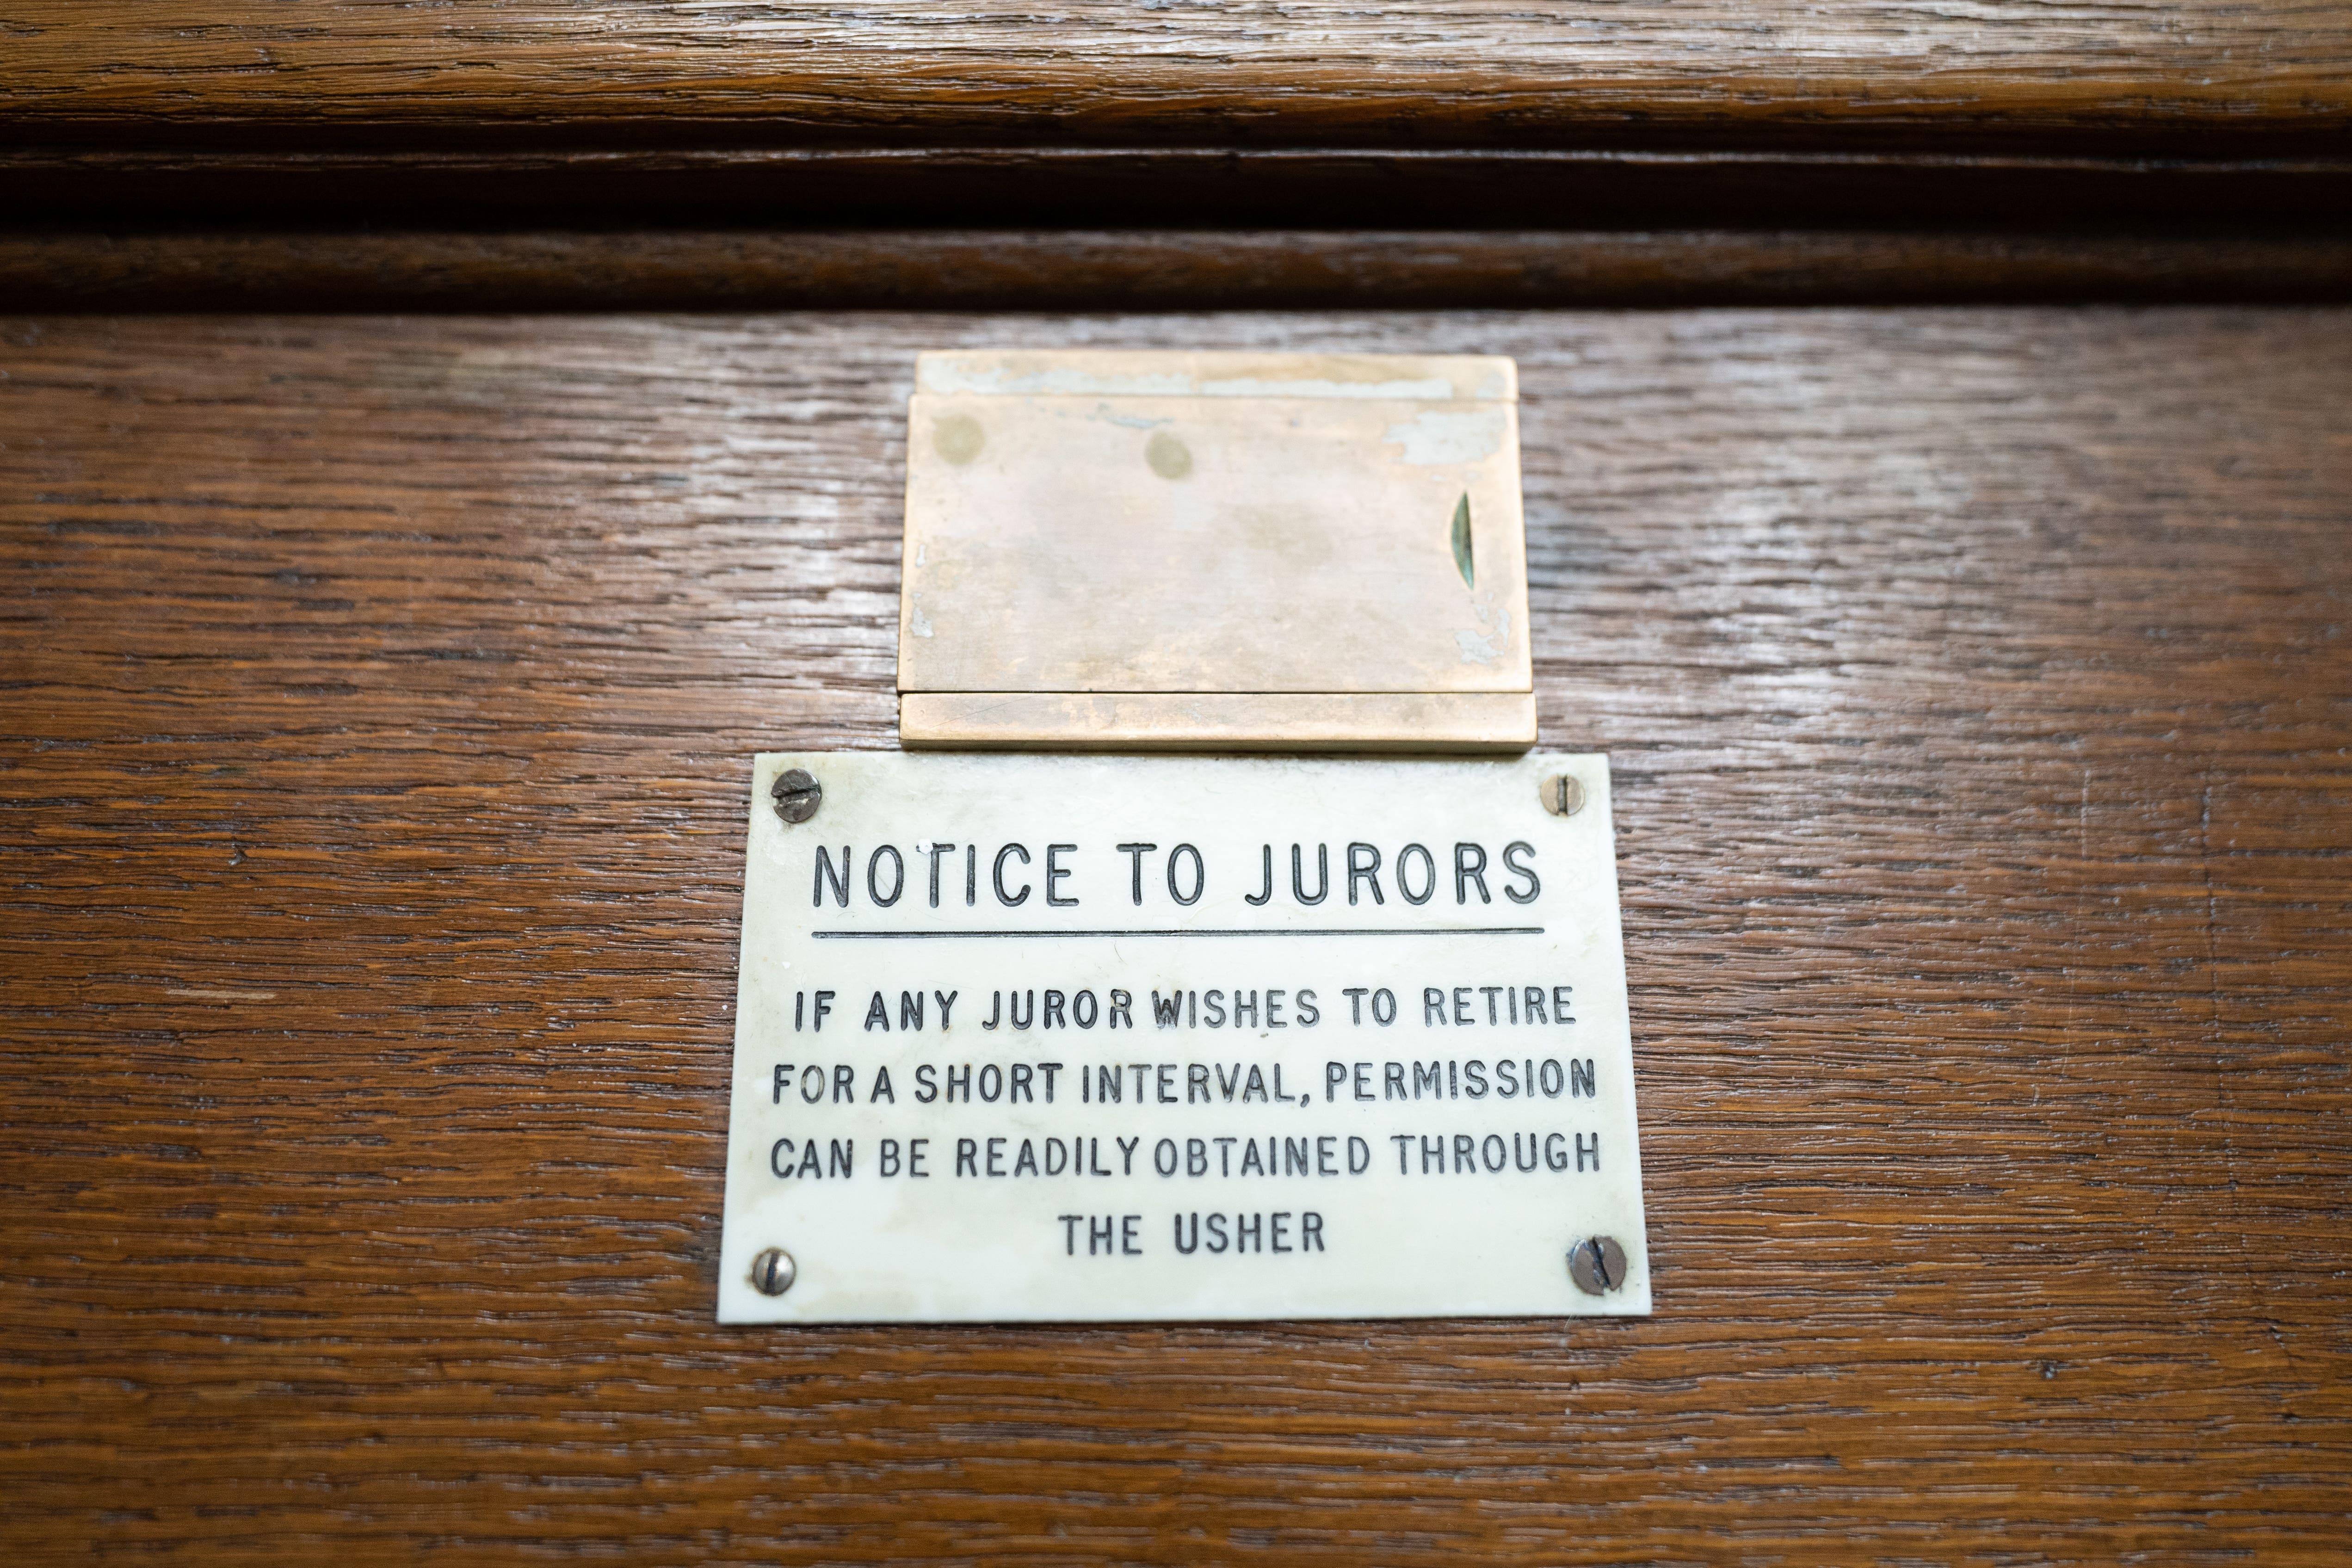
<point>1236,721</point>
<point>1119,526</point>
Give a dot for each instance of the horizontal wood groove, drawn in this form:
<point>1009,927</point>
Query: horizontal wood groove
<point>945,185</point>
<point>2102,75</point>
<point>374,736</point>
<point>739,269</point>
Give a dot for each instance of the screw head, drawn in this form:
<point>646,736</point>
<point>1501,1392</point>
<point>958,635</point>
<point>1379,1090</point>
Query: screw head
<point>1596,1264</point>
<point>1562,795</point>
<point>797,795</point>
<point>774,1272</point>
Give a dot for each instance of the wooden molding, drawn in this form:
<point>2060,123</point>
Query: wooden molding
<point>2104,77</point>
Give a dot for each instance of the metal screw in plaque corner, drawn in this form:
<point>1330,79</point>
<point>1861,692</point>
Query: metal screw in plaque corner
<point>1596,1264</point>
<point>774,1272</point>
<point>1562,795</point>
<point>797,795</point>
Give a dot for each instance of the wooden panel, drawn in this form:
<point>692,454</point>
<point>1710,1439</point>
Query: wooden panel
<point>380,693</point>
<point>1458,71</point>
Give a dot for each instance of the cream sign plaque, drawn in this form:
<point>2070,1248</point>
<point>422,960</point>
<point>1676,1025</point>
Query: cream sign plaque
<point>1060,1038</point>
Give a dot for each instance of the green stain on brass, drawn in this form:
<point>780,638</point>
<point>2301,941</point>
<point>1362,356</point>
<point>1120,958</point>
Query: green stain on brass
<point>1462,541</point>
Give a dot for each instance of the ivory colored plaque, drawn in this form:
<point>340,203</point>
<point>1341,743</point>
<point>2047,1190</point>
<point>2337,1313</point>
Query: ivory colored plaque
<point>1170,551</point>
<point>1077,1038</point>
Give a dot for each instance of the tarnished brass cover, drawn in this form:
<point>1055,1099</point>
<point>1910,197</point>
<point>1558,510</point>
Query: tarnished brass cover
<point>1214,551</point>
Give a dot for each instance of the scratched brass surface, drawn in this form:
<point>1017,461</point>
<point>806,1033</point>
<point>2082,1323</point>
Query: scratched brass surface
<point>1122,525</point>
<point>1399,723</point>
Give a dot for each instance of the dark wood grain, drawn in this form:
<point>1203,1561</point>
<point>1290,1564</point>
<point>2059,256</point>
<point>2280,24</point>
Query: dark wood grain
<point>1440,114</point>
<point>1459,72</point>
<point>380,693</point>
<point>1148,269</point>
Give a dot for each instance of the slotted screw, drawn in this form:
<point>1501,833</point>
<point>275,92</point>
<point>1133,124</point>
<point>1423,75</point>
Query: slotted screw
<point>798,794</point>
<point>773,1272</point>
<point>1596,1264</point>
<point>1562,795</point>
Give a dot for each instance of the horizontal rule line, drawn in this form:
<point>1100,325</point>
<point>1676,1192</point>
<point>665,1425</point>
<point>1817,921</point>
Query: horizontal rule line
<point>1357,930</point>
